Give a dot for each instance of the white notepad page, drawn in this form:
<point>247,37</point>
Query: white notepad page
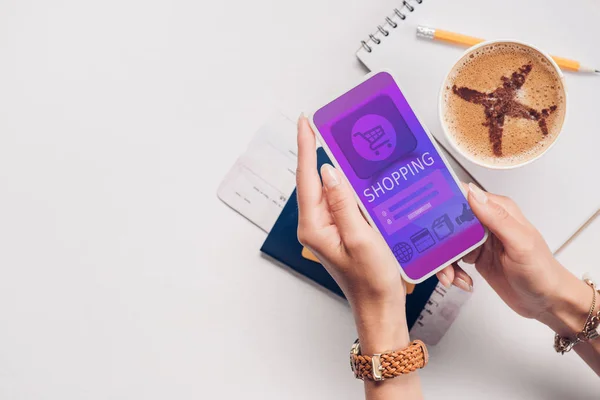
<point>560,191</point>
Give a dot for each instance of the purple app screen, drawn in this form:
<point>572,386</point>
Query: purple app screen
<point>399,176</point>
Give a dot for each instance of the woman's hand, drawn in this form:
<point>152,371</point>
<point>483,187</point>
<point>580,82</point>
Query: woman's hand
<point>520,267</point>
<point>517,263</point>
<point>333,228</point>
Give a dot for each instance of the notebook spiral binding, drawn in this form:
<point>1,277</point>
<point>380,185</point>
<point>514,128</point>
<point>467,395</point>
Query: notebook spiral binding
<point>400,12</point>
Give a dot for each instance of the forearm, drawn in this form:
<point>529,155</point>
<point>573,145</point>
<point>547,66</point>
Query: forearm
<point>402,387</point>
<point>590,353</point>
<point>381,329</point>
<point>568,313</point>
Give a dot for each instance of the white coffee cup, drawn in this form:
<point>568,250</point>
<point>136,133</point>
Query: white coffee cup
<point>442,105</point>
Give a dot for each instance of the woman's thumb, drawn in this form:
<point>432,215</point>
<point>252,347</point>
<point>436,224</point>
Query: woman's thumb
<point>495,217</point>
<point>342,203</point>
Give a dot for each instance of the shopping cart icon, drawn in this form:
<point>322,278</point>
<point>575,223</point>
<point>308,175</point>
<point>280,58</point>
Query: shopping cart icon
<point>375,137</point>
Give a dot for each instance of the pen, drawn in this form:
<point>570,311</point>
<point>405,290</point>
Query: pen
<point>464,40</point>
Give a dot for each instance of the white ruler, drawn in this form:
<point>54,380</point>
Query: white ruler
<point>440,311</point>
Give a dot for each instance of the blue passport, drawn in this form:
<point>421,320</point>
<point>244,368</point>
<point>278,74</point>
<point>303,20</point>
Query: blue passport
<point>282,245</point>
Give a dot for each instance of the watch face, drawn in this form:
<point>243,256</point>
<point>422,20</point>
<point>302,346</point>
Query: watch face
<point>354,351</point>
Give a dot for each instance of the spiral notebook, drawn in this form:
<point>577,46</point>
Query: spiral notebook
<point>559,192</point>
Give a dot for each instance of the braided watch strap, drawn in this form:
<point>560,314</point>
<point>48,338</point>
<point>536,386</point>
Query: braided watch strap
<point>389,364</point>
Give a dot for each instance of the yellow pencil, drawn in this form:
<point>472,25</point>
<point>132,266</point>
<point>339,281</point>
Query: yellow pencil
<point>463,40</point>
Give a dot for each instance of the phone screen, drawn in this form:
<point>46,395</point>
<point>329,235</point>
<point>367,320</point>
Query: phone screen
<point>399,176</point>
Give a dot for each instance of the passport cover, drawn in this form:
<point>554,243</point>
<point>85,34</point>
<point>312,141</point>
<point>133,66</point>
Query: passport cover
<point>282,245</point>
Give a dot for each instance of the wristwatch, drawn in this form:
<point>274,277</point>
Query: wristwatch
<point>389,364</point>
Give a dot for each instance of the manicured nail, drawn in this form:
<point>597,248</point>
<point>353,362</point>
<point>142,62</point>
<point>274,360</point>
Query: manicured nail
<point>330,176</point>
<point>444,280</point>
<point>301,117</point>
<point>478,194</point>
<point>462,284</point>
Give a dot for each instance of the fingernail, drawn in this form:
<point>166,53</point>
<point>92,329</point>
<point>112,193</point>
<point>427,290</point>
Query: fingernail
<point>444,280</point>
<point>301,117</point>
<point>330,176</point>
<point>478,194</point>
<point>462,284</point>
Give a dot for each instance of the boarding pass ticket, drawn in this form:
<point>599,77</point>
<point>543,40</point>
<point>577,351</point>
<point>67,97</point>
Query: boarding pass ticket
<point>259,184</point>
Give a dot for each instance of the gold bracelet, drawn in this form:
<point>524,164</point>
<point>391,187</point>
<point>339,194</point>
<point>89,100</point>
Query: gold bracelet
<point>564,344</point>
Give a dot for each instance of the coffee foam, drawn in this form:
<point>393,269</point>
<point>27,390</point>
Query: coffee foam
<point>522,139</point>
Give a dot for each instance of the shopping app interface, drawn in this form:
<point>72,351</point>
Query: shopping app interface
<point>399,176</point>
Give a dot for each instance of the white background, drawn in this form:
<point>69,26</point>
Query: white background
<point>122,275</point>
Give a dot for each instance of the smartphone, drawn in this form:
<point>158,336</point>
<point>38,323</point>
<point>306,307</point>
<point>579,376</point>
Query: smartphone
<point>404,185</point>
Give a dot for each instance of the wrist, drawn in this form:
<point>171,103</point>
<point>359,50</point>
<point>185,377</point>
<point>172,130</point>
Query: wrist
<point>381,326</point>
<point>568,307</point>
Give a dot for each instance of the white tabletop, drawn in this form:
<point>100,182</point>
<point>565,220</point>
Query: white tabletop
<point>122,275</point>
